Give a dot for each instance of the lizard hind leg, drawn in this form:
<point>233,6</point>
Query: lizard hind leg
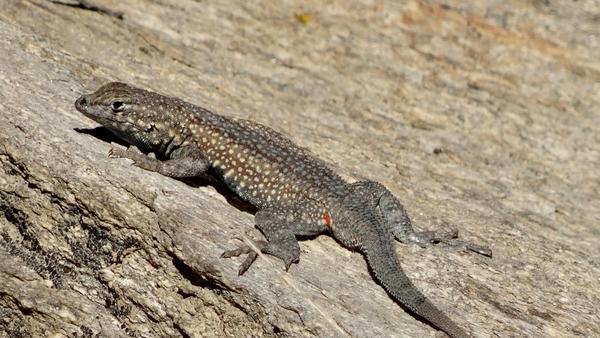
<point>281,238</point>
<point>401,227</point>
<point>245,249</point>
<point>281,244</point>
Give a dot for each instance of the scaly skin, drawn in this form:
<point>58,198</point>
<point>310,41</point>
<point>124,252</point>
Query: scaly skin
<point>295,193</point>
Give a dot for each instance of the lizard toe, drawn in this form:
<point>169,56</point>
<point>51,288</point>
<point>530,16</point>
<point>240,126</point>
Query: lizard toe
<point>247,262</point>
<point>286,254</point>
<point>115,153</point>
<point>245,249</point>
<point>241,250</point>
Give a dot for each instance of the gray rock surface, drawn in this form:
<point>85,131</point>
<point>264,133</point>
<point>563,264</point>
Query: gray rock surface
<point>485,116</point>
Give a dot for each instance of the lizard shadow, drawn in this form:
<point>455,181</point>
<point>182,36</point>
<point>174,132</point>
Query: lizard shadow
<point>105,135</point>
<point>231,198</point>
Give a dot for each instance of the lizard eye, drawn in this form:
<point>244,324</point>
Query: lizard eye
<point>117,106</point>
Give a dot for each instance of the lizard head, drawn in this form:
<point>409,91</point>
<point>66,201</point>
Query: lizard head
<point>133,114</point>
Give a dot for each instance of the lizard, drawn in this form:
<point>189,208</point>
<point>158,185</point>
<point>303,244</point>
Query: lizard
<point>295,193</point>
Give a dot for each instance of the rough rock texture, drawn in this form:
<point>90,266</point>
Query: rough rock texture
<point>481,114</point>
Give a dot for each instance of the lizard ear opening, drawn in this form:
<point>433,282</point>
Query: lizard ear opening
<point>117,106</point>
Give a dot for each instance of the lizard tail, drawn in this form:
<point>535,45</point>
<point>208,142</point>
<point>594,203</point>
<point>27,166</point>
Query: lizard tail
<point>381,258</point>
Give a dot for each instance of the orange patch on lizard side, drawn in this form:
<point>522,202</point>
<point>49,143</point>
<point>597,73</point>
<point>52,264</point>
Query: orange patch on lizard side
<point>327,218</point>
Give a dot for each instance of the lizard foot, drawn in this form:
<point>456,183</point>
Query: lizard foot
<point>139,159</point>
<point>245,249</point>
<point>447,236</point>
<point>461,245</point>
<point>425,238</point>
<point>285,254</point>
<point>122,153</point>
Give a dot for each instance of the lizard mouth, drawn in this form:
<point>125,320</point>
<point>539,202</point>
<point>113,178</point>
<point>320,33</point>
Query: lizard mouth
<point>82,104</point>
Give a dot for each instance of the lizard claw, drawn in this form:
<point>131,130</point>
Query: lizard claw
<point>447,236</point>
<point>243,250</point>
<point>252,256</point>
<point>480,249</point>
<point>139,159</point>
<point>289,263</point>
<point>425,238</point>
<point>116,153</point>
<point>287,256</point>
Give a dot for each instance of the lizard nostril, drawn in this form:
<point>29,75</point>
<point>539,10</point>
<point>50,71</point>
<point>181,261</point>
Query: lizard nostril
<point>81,102</point>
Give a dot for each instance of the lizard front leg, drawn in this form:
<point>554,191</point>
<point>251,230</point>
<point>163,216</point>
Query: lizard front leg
<point>280,228</point>
<point>186,161</point>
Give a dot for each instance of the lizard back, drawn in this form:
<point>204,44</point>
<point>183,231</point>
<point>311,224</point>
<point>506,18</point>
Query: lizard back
<point>263,166</point>
<point>258,163</point>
